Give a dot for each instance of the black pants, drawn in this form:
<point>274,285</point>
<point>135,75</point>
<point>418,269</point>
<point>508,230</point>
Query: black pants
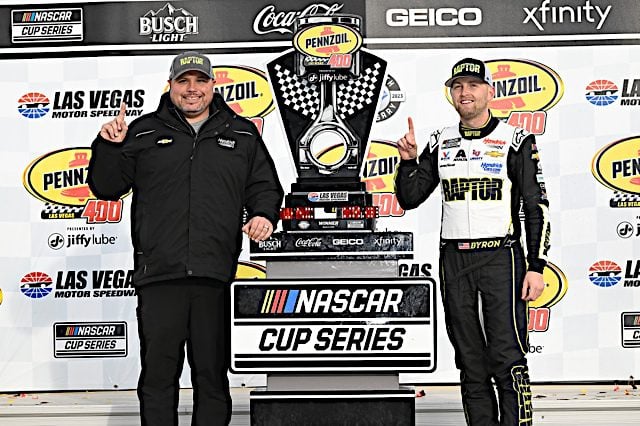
<point>171,313</point>
<point>491,343</point>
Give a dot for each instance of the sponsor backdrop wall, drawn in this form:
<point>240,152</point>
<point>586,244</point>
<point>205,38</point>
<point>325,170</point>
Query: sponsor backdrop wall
<point>569,71</point>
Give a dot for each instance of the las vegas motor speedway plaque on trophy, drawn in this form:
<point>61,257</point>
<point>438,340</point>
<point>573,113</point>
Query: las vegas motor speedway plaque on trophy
<point>327,91</point>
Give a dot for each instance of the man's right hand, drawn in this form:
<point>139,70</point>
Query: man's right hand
<point>407,147</point>
<point>115,130</point>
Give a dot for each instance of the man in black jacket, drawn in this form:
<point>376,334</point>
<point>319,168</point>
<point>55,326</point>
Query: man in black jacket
<point>194,166</point>
<point>486,169</point>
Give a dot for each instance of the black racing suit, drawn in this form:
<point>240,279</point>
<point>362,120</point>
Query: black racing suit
<point>485,176</point>
<point>189,191</point>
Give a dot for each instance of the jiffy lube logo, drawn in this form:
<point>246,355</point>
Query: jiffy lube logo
<point>245,89</point>
<point>378,172</point>
<point>524,91</point>
<point>59,179</point>
<point>555,287</point>
<point>617,166</point>
<point>328,43</point>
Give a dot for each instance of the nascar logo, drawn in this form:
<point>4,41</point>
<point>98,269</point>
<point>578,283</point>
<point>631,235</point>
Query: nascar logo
<point>294,301</point>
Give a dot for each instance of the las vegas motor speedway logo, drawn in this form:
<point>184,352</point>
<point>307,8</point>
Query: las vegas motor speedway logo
<point>333,325</point>
<point>78,284</point>
<point>81,103</point>
<point>603,92</point>
<point>607,273</point>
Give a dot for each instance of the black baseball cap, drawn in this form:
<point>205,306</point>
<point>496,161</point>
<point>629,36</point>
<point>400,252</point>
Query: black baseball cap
<point>469,67</point>
<point>190,61</point>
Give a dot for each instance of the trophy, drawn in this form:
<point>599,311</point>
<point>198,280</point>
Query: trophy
<point>327,91</point>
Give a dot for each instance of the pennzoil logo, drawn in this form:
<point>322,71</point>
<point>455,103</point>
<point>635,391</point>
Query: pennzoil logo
<point>555,287</point>
<point>617,166</point>
<point>524,91</point>
<point>59,179</point>
<point>378,173</point>
<point>245,89</point>
<point>324,41</point>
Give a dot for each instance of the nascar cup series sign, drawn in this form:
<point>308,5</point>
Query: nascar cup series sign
<point>333,325</point>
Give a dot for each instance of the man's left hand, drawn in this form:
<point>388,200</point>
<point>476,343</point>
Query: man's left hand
<point>532,286</point>
<point>258,228</point>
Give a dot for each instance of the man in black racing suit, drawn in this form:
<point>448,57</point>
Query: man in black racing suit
<point>486,170</point>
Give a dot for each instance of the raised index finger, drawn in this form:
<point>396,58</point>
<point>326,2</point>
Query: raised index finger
<point>410,121</point>
<point>123,110</point>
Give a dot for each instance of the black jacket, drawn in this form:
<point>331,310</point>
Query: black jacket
<point>188,190</point>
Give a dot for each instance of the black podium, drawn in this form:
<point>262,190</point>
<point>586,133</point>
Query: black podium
<point>332,348</point>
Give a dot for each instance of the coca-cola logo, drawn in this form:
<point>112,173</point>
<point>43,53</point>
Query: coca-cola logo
<point>309,242</point>
<point>268,20</point>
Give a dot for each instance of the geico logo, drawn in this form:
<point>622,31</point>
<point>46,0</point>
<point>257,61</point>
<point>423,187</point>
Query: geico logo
<point>443,17</point>
<point>93,330</point>
<point>352,301</point>
<point>348,241</point>
<point>270,244</point>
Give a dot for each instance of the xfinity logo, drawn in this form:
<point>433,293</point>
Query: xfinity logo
<point>442,17</point>
<point>268,20</point>
<point>386,241</point>
<point>543,14</point>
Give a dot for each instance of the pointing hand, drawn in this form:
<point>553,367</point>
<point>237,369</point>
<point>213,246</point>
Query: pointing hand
<point>116,129</point>
<point>407,147</point>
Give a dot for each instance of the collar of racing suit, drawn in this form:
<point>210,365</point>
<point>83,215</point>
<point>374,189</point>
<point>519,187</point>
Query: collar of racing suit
<point>480,132</point>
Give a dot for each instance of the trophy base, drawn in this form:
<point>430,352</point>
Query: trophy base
<point>334,246</point>
<point>365,407</point>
